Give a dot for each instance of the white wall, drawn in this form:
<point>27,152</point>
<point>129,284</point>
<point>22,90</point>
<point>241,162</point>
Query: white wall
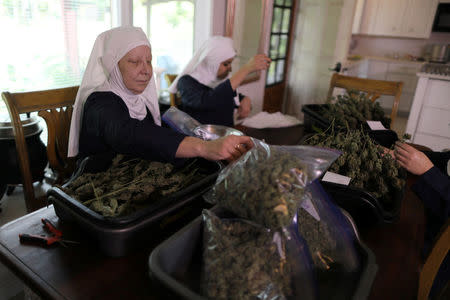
<point>202,22</point>
<point>254,90</point>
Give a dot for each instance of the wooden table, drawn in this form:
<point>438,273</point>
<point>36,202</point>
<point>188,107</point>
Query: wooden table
<point>82,272</point>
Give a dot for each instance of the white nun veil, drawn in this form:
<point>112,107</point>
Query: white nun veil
<point>102,74</point>
<point>204,65</point>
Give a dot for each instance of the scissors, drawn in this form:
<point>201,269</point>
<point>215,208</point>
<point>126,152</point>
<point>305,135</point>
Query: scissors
<point>43,240</point>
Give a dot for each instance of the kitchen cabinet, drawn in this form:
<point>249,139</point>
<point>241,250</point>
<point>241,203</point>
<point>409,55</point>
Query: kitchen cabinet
<point>429,120</point>
<point>399,18</point>
<point>418,18</point>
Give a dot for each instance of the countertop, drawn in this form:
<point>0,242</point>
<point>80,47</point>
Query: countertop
<point>352,63</point>
<point>433,76</point>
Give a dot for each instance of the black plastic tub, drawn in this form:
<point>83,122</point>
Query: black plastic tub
<point>118,236</point>
<point>314,121</point>
<point>176,264</point>
<point>364,208</point>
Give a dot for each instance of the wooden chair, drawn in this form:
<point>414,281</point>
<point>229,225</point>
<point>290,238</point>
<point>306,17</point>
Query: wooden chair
<point>55,106</point>
<point>433,262</point>
<point>174,98</point>
<point>373,88</point>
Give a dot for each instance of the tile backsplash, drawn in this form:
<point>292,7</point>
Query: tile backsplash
<point>389,46</point>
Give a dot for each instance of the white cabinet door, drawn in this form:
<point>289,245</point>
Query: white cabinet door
<point>358,16</point>
<point>434,121</point>
<point>393,71</point>
<point>438,95</point>
<point>389,16</point>
<point>368,16</point>
<point>377,70</point>
<point>400,18</point>
<point>409,81</point>
<point>419,18</point>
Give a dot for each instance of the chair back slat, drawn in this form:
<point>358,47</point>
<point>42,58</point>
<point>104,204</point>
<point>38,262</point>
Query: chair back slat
<point>37,100</point>
<point>55,107</point>
<point>374,89</point>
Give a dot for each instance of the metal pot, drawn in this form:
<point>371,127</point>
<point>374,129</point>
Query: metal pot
<point>439,53</point>
<point>37,152</point>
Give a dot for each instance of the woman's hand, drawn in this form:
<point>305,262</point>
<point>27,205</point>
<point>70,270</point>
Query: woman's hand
<point>244,108</point>
<point>412,159</point>
<point>226,148</point>
<point>258,62</point>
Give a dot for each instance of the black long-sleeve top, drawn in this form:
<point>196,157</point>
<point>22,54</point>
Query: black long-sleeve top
<point>107,127</point>
<point>433,188</point>
<point>207,105</point>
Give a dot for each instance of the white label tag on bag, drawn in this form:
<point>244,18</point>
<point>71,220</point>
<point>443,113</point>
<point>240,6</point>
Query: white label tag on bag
<point>376,125</point>
<point>309,207</point>
<point>336,178</point>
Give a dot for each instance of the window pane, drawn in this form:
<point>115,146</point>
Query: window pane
<point>288,3</point>
<point>279,2</point>
<point>52,42</point>
<point>280,71</point>
<point>274,40</point>
<point>276,19</point>
<point>286,15</point>
<point>271,73</point>
<point>171,28</point>
<point>283,46</point>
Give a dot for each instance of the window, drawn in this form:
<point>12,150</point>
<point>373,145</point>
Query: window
<point>279,40</point>
<point>170,28</point>
<point>52,39</point>
<point>46,44</point>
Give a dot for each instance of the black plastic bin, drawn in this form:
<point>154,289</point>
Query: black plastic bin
<point>119,236</point>
<point>313,121</point>
<point>365,209</point>
<point>176,264</point>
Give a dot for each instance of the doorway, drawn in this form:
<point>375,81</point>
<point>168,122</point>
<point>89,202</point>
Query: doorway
<point>322,37</point>
<point>283,15</point>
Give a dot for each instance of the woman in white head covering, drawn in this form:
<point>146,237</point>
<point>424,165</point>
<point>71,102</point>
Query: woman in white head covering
<point>116,109</point>
<point>207,94</point>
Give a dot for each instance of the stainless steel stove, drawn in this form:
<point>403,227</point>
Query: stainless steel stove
<point>436,69</point>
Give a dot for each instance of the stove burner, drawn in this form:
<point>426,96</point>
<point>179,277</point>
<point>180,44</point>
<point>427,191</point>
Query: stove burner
<point>437,69</point>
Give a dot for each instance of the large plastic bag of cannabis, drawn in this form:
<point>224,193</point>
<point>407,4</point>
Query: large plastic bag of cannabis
<point>328,234</point>
<point>243,260</point>
<point>266,184</point>
<point>180,121</point>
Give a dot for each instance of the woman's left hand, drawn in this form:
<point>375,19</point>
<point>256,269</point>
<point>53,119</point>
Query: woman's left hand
<point>412,159</point>
<point>244,108</point>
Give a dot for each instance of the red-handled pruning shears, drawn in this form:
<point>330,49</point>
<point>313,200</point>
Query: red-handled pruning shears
<point>45,240</point>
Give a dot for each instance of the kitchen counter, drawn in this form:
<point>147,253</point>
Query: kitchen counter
<point>433,76</point>
<point>364,58</point>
